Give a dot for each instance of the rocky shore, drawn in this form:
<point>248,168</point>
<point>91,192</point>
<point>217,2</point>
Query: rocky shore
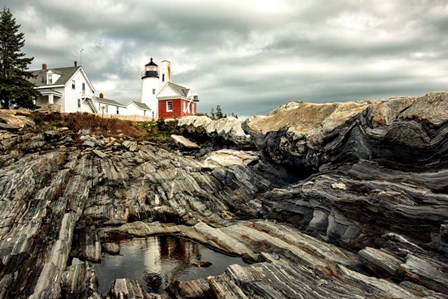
<point>340,200</point>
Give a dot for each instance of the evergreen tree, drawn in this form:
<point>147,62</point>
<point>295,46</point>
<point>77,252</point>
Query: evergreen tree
<point>219,113</point>
<point>14,86</point>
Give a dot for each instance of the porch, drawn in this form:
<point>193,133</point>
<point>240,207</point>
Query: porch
<point>49,101</point>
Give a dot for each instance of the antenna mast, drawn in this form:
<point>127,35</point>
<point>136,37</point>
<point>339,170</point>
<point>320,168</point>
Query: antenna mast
<point>80,54</point>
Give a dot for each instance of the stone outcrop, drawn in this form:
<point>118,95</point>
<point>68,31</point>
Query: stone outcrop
<point>343,200</point>
<point>225,130</point>
<point>399,131</point>
<point>228,157</point>
<point>183,142</point>
<point>15,118</point>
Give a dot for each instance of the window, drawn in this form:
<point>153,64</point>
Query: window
<point>144,112</point>
<point>50,79</point>
<point>163,77</point>
<point>118,110</point>
<point>73,84</point>
<point>153,91</point>
<point>169,106</point>
<point>83,88</point>
<point>79,103</point>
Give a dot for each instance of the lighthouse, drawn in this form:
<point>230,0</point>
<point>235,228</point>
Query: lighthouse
<point>165,98</point>
<point>150,86</point>
<point>152,82</point>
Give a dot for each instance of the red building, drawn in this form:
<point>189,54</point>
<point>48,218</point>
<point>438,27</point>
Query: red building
<point>176,101</point>
<point>163,98</point>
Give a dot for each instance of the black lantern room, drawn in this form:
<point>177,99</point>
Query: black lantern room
<point>151,70</point>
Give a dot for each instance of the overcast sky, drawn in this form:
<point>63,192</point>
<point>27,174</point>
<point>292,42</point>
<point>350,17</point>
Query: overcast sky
<point>249,56</point>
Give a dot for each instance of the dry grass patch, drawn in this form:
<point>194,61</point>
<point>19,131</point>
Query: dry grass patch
<point>107,127</point>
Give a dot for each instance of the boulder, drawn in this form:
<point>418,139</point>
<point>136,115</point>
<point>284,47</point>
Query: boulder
<point>228,129</point>
<point>228,157</point>
<point>183,142</point>
<point>16,118</point>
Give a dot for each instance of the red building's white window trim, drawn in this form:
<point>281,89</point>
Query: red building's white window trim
<point>169,106</point>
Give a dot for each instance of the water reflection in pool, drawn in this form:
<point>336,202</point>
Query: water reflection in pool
<point>156,261</point>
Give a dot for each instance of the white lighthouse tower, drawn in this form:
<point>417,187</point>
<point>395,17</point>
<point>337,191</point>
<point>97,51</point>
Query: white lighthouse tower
<point>153,81</point>
<point>150,87</point>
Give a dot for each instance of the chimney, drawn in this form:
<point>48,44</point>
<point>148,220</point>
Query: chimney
<point>76,63</point>
<point>44,66</point>
<point>101,95</point>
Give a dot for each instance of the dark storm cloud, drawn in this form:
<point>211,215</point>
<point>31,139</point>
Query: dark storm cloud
<point>248,56</point>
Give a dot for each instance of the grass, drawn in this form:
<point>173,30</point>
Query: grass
<point>156,131</point>
<point>108,127</point>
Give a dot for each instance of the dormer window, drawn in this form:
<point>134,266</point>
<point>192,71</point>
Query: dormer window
<point>50,78</point>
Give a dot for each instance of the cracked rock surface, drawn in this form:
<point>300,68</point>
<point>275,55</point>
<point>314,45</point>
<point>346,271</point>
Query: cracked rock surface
<point>343,200</point>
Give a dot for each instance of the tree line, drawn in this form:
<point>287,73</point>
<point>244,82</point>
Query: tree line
<point>216,113</point>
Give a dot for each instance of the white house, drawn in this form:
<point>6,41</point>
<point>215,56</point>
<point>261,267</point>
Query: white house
<point>138,108</point>
<point>108,106</point>
<point>65,89</point>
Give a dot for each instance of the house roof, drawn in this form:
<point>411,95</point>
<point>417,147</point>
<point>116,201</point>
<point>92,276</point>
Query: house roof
<point>108,101</point>
<point>180,90</point>
<point>139,105</point>
<point>65,72</point>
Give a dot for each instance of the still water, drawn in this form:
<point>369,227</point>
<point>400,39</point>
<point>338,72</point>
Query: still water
<point>156,261</point>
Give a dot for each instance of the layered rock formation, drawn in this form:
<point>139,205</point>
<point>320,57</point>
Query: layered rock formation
<point>343,200</point>
<point>397,131</point>
<point>224,132</point>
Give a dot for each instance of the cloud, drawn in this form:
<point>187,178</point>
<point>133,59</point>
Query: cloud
<point>248,56</point>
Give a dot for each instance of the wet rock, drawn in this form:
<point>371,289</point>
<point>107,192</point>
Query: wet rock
<point>80,281</point>
<point>199,288</point>
<point>201,264</point>
<point>128,288</point>
<point>251,258</point>
<point>111,248</point>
